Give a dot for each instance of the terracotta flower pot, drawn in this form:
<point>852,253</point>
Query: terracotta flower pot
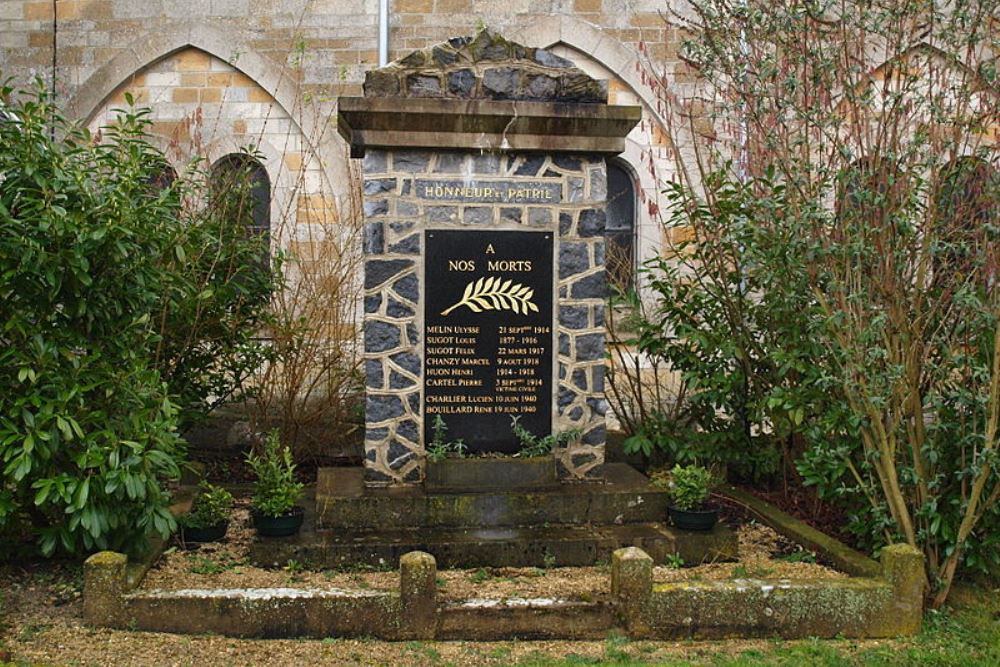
<point>279,526</point>
<point>702,520</point>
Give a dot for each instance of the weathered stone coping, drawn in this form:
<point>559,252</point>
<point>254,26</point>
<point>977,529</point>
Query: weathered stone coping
<point>255,593</point>
<point>842,556</point>
<point>884,606</point>
<point>487,125</point>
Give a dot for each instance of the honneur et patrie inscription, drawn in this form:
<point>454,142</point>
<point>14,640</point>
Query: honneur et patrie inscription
<point>488,335</point>
<point>490,192</point>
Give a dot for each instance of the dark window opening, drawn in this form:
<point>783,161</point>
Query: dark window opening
<point>620,230</point>
<point>966,207</point>
<point>162,179</point>
<point>242,191</point>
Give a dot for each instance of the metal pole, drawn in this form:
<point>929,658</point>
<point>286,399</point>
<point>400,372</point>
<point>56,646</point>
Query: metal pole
<point>383,33</point>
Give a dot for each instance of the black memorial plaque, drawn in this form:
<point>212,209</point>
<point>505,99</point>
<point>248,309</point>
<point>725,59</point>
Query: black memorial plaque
<point>488,335</point>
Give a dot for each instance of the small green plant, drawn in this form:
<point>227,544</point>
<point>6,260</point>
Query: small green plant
<point>276,491</point>
<point>800,555</point>
<point>549,560</point>
<point>204,565</point>
<point>294,567</point>
<point>532,445</point>
<point>210,508</point>
<point>440,447</point>
<point>479,576</point>
<point>674,562</point>
<point>688,486</point>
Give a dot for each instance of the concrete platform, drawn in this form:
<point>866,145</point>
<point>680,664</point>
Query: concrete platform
<point>571,525</point>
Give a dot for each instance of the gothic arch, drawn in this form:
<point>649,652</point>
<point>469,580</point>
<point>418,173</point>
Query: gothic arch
<point>276,81</point>
<point>603,48</point>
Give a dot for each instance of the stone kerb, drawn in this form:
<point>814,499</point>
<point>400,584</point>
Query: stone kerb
<point>560,189</point>
<point>890,605</point>
<point>855,607</point>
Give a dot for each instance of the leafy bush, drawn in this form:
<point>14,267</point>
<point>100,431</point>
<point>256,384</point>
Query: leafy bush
<point>733,315</point>
<point>888,227</point>
<point>688,486</point>
<point>276,491</point>
<point>212,506</point>
<point>107,307</point>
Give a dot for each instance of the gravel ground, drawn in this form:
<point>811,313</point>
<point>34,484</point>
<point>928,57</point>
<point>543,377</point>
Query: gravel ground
<point>40,624</point>
<point>40,611</point>
<point>763,554</point>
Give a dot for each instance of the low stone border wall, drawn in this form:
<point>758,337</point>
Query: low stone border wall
<point>884,606</point>
<point>857,607</point>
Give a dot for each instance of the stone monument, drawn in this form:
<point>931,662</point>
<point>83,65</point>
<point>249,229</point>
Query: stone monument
<point>485,189</point>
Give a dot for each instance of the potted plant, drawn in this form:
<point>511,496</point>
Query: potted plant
<point>208,519</point>
<point>274,507</point>
<point>688,488</point>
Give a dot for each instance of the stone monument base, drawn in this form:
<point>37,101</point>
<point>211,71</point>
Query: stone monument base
<point>568,525</point>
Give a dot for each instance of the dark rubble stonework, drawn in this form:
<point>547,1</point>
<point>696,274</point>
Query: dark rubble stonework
<point>392,296</point>
<point>484,67</point>
<point>488,67</point>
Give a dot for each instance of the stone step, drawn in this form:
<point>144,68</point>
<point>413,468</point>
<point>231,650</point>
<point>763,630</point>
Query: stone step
<point>623,496</point>
<point>532,546</point>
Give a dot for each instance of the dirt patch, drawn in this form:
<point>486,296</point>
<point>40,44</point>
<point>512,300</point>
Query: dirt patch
<point>764,554</point>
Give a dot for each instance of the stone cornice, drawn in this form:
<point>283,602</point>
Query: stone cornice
<point>488,125</point>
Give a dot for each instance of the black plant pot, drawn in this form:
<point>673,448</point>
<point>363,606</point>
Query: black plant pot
<point>279,526</point>
<point>206,534</point>
<point>702,520</point>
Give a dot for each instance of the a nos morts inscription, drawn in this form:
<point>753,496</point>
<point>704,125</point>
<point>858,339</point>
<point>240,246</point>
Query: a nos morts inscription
<point>488,336</point>
<point>490,192</point>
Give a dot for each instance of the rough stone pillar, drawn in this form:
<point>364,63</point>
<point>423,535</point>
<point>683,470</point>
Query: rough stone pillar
<point>631,587</point>
<point>488,136</point>
<point>418,594</point>
<point>903,567</point>
<point>104,584</point>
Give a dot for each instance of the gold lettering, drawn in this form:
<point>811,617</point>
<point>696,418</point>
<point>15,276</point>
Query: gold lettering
<point>490,250</point>
<point>508,265</point>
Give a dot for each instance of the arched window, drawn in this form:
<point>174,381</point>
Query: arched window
<point>620,229</point>
<point>966,205</point>
<point>869,191</point>
<point>242,189</point>
<point>162,178</point>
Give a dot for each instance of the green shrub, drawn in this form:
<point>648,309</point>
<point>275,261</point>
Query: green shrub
<point>688,486</point>
<point>732,314</point>
<point>212,506</point>
<point>276,491</point>
<point>111,323</point>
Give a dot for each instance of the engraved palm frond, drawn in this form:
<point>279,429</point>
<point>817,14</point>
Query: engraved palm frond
<point>495,293</point>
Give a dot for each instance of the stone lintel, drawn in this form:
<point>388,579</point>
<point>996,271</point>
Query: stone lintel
<point>484,125</point>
